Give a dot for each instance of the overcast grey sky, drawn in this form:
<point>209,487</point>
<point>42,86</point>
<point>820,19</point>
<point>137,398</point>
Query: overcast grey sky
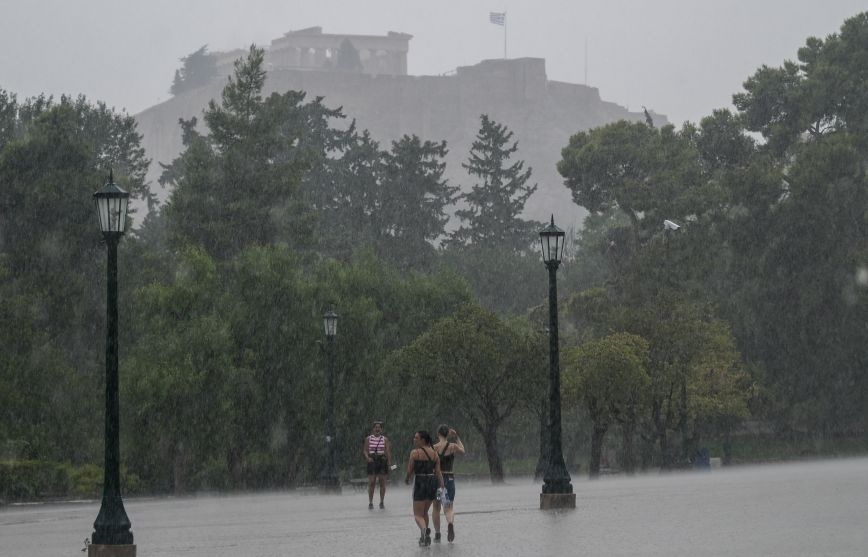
<point>682,58</point>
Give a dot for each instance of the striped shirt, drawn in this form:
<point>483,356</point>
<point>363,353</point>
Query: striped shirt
<point>377,445</point>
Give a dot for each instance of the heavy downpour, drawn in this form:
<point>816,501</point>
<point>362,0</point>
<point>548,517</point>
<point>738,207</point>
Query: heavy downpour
<point>387,278</point>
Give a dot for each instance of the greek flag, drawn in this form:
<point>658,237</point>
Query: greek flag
<point>497,18</point>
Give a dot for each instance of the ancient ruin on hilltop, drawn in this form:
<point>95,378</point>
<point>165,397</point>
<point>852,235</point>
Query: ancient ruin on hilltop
<point>367,76</point>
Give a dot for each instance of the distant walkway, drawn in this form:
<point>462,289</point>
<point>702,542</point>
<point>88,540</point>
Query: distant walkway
<point>787,510</point>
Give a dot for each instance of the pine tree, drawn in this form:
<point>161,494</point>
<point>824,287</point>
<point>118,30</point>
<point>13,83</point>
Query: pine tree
<point>238,185</point>
<point>414,197</point>
<point>496,201</point>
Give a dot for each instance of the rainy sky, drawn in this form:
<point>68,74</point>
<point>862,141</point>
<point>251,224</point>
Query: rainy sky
<point>682,58</point>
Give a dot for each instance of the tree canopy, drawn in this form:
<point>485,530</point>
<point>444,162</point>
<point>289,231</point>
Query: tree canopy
<point>197,69</point>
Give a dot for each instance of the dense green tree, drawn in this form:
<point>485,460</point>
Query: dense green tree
<point>493,205</point>
<point>8,117</point>
<point>228,367</point>
<point>808,210</point>
<point>646,173</point>
<point>609,376</point>
<point>494,247</point>
<point>237,186</point>
<point>697,375</point>
<point>181,362</point>
<point>485,365</point>
<point>52,265</point>
<point>502,280</point>
<point>197,69</point>
<point>350,196</point>
<point>413,200</point>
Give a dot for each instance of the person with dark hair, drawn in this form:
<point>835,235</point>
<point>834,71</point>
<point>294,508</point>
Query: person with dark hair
<point>378,454</point>
<point>446,451</point>
<point>424,464</point>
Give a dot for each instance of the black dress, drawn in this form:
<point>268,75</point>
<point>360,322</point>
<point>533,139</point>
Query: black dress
<point>425,485</point>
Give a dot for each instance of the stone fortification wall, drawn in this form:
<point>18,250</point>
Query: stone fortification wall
<point>542,114</point>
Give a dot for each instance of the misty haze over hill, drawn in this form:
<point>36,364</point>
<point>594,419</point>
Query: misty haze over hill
<point>379,95</point>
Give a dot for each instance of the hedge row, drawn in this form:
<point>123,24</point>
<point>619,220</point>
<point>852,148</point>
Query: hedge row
<point>34,480</point>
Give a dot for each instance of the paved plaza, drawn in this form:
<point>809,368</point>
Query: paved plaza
<point>788,510</point>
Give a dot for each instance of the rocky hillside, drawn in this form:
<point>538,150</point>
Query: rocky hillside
<point>542,113</point>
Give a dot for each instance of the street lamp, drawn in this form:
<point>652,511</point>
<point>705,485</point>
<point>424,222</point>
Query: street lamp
<point>557,491</point>
<point>329,480</point>
<point>112,534</point>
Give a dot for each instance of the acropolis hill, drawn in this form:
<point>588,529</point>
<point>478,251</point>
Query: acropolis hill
<point>382,98</point>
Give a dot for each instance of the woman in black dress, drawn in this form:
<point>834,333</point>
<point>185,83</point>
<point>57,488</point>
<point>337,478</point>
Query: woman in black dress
<point>425,465</point>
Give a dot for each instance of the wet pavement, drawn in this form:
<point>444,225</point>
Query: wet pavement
<point>803,509</point>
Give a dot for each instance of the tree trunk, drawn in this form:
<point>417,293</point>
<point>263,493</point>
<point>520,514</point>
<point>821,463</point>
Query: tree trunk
<point>727,446</point>
<point>686,445</point>
<point>178,468</point>
<point>495,466</point>
<point>663,444</point>
<point>660,433</point>
<point>629,460</point>
<point>597,437</point>
<point>233,461</point>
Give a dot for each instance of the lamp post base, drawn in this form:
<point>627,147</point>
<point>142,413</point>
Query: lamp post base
<point>100,550</point>
<point>549,501</point>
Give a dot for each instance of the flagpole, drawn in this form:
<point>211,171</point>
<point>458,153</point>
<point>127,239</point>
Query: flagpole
<point>504,35</point>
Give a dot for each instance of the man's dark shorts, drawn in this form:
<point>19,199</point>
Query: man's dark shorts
<point>377,466</point>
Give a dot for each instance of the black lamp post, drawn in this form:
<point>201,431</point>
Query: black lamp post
<point>330,481</point>
<point>112,527</point>
<point>557,491</point>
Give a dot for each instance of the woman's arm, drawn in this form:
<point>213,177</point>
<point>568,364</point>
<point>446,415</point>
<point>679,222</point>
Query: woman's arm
<point>388,453</point>
<point>437,470</point>
<point>365,449</point>
<point>457,446</point>
<point>410,466</point>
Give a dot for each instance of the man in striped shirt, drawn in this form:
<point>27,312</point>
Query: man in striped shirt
<point>378,454</point>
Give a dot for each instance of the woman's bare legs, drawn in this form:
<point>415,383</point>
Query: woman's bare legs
<point>436,516</point>
<point>420,513</point>
<point>382,479</point>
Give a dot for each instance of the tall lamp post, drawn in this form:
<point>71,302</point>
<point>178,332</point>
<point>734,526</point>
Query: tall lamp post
<point>111,530</point>
<point>330,481</point>
<point>557,491</point>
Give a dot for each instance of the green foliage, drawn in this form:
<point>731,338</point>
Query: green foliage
<point>51,269</point>
<point>821,94</point>
<point>227,366</point>
<point>487,367</point>
<point>198,68</point>
<point>279,210</point>
<point>502,280</point>
<point>494,247</point>
<point>30,480</point>
<point>609,376</point>
<point>237,186</point>
<point>800,288</point>
<point>494,205</point>
<point>414,196</point>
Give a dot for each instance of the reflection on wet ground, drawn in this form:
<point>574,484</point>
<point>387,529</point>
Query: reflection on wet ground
<point>804,509</point>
